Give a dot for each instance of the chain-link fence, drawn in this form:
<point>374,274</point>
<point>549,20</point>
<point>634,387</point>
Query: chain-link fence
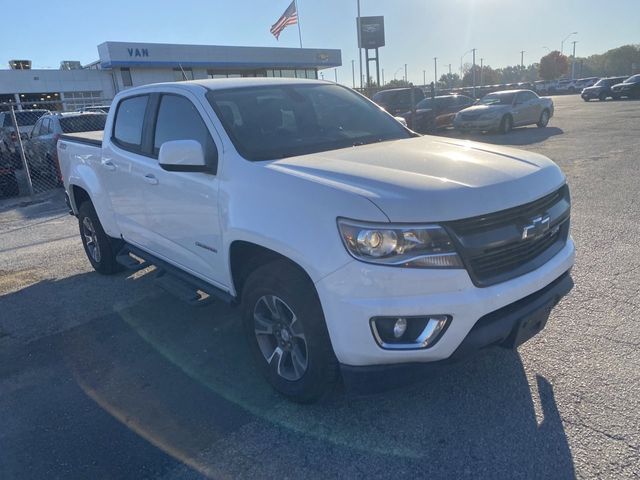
<point>29,135</point>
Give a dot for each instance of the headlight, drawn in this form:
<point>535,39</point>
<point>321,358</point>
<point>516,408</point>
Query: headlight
<point>415,246</point>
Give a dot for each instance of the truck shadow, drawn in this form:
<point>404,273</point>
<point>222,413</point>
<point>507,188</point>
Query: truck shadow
<point>180,381</point>
<point>518,137</point>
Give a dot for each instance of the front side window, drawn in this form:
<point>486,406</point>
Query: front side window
<point>271,122</point>
<point>127,131</point>
<point>178,119</point>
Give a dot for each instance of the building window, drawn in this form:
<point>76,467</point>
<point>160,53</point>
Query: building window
<point>126,77</point>
<point>183,73</point>
<point>76,101</point>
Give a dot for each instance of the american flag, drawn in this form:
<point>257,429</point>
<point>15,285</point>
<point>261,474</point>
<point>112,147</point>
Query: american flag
<point>289,17</point>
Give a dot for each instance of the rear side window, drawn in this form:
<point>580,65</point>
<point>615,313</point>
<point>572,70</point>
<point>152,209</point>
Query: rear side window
<point>127,131</point>
<point>26,119</point>
<point>179,119</point>
<point>83,123</point>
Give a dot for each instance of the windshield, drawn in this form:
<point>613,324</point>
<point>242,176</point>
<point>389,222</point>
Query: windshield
<point>278,121</point>
<point>498,99</point>
<point>83,123</point>
<point>634,79</point>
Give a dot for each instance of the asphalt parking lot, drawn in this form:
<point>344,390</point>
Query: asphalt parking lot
<point>108,377</point>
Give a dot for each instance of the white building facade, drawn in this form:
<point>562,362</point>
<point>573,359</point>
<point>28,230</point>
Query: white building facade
<point>123,65</point>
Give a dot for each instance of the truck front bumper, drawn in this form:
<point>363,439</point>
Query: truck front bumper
<point>507,327</point>
<point>357,292</point>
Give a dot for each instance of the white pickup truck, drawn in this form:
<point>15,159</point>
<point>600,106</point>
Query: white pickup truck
<point>355,247</point>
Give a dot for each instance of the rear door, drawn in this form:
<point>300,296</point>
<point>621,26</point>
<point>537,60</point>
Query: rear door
<point>182,222</point>
<point>123,165</point>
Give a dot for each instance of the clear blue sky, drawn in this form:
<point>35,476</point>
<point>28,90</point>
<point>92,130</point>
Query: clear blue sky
<point>416,30</point>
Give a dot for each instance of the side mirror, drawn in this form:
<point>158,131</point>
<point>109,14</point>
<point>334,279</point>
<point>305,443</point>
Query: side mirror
<point>182,156</point>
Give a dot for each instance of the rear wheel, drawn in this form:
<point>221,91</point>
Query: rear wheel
<point>287,334</point>
<point>506,125</point>
<point>602,97</point>
<point>100,248</point>
<point>544,119</point>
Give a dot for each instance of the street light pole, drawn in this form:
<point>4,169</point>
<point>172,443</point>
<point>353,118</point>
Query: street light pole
<point>473,72</point>
<point>406,79</point>
<point>424,77</point>
<point>335,72</point>
<point>564,40</point>
<point>481,72</point>
<point>359,43</point>
<point>522,59</point>
<point>435,73</point>
<point>573,61</point>
<point>383,77</point>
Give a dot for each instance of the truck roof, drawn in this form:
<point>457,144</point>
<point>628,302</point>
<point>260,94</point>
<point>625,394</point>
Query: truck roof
<point>225,83</point>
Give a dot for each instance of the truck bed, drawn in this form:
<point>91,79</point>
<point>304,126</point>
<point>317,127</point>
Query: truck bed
<point>90,138</point>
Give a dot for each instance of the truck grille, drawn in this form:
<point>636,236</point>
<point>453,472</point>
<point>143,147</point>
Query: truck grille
<point>493,248</point>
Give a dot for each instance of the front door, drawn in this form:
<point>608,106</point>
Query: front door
<point>182,223</point>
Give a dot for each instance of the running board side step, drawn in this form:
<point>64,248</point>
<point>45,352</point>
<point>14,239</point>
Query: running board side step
<point>183,285</point>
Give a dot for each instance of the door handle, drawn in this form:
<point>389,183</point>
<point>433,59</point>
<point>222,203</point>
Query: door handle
<point>151,179</point>
<point>108,164</point>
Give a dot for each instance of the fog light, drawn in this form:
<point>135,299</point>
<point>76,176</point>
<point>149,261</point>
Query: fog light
<point>400,327</point>
<point>406,333</point>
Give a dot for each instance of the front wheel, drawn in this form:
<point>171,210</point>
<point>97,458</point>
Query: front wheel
<point>506,125</point>
<point>100,248</point>
<point>544,119</point>
<point>287,334</point>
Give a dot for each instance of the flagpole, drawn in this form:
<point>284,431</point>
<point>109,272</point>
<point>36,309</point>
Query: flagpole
<point>299,29</point>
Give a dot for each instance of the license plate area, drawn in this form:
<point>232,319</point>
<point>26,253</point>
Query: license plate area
<point>531,325</point>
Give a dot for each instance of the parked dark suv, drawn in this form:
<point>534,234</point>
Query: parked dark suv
<point>398,100</point>
<point>602,89</point>
<point>630,88</point>
<point>437,112</point>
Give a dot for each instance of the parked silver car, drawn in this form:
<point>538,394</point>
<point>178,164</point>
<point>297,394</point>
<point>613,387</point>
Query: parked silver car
<point>502,111</point>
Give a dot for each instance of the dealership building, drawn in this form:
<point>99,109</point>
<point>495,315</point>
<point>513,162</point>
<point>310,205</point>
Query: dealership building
<point>122,65</point>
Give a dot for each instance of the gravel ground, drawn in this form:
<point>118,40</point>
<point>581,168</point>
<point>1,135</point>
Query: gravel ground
<point>107,377</point>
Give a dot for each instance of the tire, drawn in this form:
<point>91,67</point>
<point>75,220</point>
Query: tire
<point>295,356</point>
<point>602,97</point>
<point>585,99</point>
<point>506,124</point>
<point>100,248</point>
<point>544,119</point>
<point>615,97</point>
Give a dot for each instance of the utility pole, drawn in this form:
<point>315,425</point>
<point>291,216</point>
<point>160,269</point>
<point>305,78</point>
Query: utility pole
<point>573,60</point>
<point>405,73</point>
<point>335,72</point>
<point>522,59</point>
<point>435,73</point>
<point>353,72</point>
<point>424,77</point>
<point>473,73</point>
<point>481,72</point>
<point>449,79</point>
<point>383,77</point>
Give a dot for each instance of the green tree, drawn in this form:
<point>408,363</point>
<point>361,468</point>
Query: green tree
<point>449,80</point>
<point>398,84</point>
<point>553,65</point>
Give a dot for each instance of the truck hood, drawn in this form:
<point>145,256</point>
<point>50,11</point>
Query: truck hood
<point>427,179</point>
